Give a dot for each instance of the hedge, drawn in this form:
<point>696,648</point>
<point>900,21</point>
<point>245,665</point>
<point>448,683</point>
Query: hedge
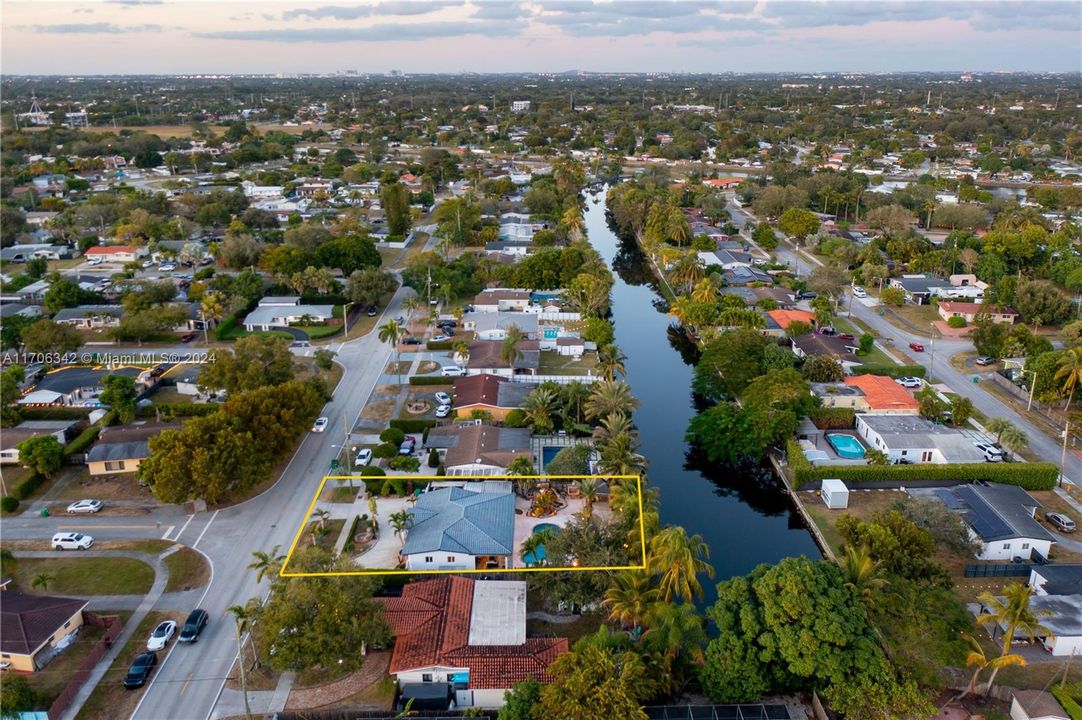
<point>894,371</point>
<point>431,380</point>
<point>834,418</point>
<point>26,488</point>
<point>1069,697</point>
<point>9,503</point>
<point>55,413</point>
<point>412,425</point>
<point>373,472</point>
<point>441,345</point>
<point>225,329</point>
<point>86,439</point>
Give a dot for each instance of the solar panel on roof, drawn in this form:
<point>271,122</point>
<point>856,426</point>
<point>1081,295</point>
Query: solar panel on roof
<point>949,499</point>
<point>984,520</point>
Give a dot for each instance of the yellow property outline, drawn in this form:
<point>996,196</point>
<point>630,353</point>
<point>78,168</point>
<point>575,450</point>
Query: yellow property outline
<point>348,573</point>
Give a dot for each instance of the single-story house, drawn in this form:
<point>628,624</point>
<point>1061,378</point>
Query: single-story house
<point>809,344</point>
<point>1062,615</point>
<point>1001,519</point>
<point>485,358</point>
<point>514,248</point>
<point>116,253</point>
<point>725,259</point>
<point>462,528</point>
<point>784,318</point>
<point>1036,705</point>
<point>494,325</point>
<point>18,310</point>
<point>779,295</point>
<point>32,625</point>
<point>280,312</point>
<point>913,439</point>
<point>122,449</point>
<point>464,640</point>
<point>501,299</point>
<point>969,311</point>
<point>10,438</point>
<point>488,393</point>
<point>920,289</point>
<point>1056,579</point>
<point>741,275</point>
<point>869,394</point>
<point>34,293</point>
<point>479,449</point>
<point>74,385</point>
<point>22,253</point>
<point>91,317</point>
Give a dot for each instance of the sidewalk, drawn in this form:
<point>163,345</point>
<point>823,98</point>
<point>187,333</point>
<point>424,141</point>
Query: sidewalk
<point>261,702</point>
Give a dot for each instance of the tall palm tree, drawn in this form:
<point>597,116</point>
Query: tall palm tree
<point>623,496</point>
<point>401,521</point>
<point>631,598</point>
<point>509,350</point>
<point>1011,613</point>
<point>461,350</point>
<point>391,332</point>
<point>613,425</point>
<point>610,362</point>
<point>590,489</point>
<point>410,305</point>
<point>706,290</point>
<point>266,563</point>
<point>863,574</point>
<point>242,618</point>
<point>1070,372</point>
<point>573,396</point>
<point>321,516</point>
<point>571,220</point>
<point>676,633</point>
<point>677,559</point>
<point>539,406</point>
<point>686,271</point>
<point>1007,434</point>
<point>977,658</point>
<point>608,397</point>
<point>42,580</point>
<point>619,456</point>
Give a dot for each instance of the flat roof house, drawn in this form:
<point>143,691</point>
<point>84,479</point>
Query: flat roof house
<point>31,625</point>
<point>913,439</point>
<point>488,393</point>
<point>123,449</point>
<point>462,641</point>
<point>462,528</point>
<point>479,449</point>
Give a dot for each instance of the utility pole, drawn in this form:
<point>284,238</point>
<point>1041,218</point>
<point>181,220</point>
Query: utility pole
<point>1063,453</point>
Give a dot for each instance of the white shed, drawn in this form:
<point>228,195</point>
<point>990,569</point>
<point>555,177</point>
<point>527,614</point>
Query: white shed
<point>835,494</point>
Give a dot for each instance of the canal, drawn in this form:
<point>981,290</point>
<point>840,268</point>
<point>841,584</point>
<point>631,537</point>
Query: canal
<point>744,516</point>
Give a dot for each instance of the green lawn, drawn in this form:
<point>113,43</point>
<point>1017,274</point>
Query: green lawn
<point>187,569</point>
<point>317,332</point>
<point>554,364</point>
<point>876,356</point>
<point>86,575</point>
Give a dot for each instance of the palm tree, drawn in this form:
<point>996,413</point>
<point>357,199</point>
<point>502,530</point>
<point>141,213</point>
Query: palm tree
<point>509,351</point>
<point>572,222</point>
<point>318,533</point>
<point>678,559</point>
<point>410,305</point>
<point>539,406</point>
<point>619,456</point>
<point>1007,433</point>
<point>1011,613</point>
<point>321,516</point>
<point>631,598</point>
<point>573,396</point>
<point>401,521</point>
<point>590,489</point>
<point>242,619</point>
<point>266,563</point>
<point>676,633</point>
<point>461,349</point>
<point>42,580</point>
<point>706,290</point>
<point>863,574</point>
<point>613,425</point>
<point>608,397</point>
<point>1070,371</point>
<point>624,496</point>
<point>686,271</point>
<point>610,361</point>
<point>531,545</point>
<point>977,657</point>
<point>391,332</point>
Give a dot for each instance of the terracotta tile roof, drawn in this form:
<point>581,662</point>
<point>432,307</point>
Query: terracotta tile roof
<point>971,308</point>
<point>109,249</point>
<point>28,621</point>
<point>786,317</point>
<point>431,624</point>
<point>882,393</point>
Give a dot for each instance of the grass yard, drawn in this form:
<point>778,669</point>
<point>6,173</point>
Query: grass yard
<point>582,626</point>
<point>110,698</point>
<point>187,569</point>
<point>862,504</point>
<point>916,319</point>
<point>86,575</point>
<point>876,356</point>
<point>554,364</point>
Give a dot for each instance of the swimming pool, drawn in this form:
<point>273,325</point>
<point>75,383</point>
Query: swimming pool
<point>537,557</point>
<point>846,446</point>
<point>548,452</point>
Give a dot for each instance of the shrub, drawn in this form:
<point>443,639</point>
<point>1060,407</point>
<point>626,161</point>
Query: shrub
<point>832,418</point>
<point>433,457</point>
<point>393,435</point>
<point>441,345</point>
<point>894,371</point>
<point>176,410</point>
<point>441,470</point>
<point>516,419</point>
<point>430,380</point>
<point>225,329</point>
<point>892,296</point>
<point>405,462</point>
<point>1070,697</point>
<point>385,450</point>
<point>86,439</point>
<point>387,488</point>
<point>956,322</point>
<point>373,472</point>
<point>26,488</point>
<point>412,425</point>
<point>9,503</point>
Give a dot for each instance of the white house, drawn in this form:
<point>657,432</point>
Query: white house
<point>116,253</point>
<point>280,312</point>
<point>494,326</point>
<point>10,438</point>
<point>913,439</point>
<point>501,300</point>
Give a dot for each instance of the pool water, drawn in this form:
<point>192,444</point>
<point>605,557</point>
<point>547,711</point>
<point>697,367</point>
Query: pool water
<point>548,452</point>
<point>535,558</point>
<point>846,446</point>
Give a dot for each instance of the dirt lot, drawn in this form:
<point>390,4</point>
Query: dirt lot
<point>78,484</point>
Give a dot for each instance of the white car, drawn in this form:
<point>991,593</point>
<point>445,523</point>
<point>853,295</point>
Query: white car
<point>84,506</point>
<point>320,425</point>
<point>95,261</point>
<point>167,267</point>
<point>452,371</point>
<point>858,292</point>
<point>71,541</point>
<point>443,398</point>
<point>911,383</point>
<point>443,411</point>
<point>147,264</point>
<point>991,452</point>
<point>363,457</point>
<point>440,338</point>
<point>161,635</point>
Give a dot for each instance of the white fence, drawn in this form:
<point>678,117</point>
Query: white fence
<point>561,379</point>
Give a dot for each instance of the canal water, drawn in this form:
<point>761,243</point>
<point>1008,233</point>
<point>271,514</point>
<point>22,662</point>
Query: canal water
<point>744,516</point>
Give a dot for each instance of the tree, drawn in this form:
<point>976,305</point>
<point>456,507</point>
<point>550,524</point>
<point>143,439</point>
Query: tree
<point>455,219</point>
<point>892,220</point>
<point>539,406</point>
<point>594,683</point>
<point>401,521</point>
<point>368,286</point>
<point>764,237</point>
<point>119,394</point>
<point>678,559</point>
<point>828,279</point>
<point>1039,302</point>
<point>17,695</point>
<point>961,409</point>
<point>989,337</point>
<point>1012,613</point>
<point>822,368</point>
<point>391,332</point>
<point>46,336</point>
<point>729,363</point>
<point>519,701</point>
<point>255,361</point>
<point>608,397</point>
<point>1069,372</point>
<point>64,293</point>
<point>631,598</point>
<point>573,460</point>
<point>395,199</point>
<point>610,362</point>
<point>266,564</point>
<point>510,352</point>
<point>43,454</point>
<point>241,623</point>
<point>1008,434</point>
<point>798,223</point>
<point>863,574</point>
<point>42,580</point>
<point>892,296</point>
<point>675,634</point>
<point>976,658</point>
<point>240,250</point>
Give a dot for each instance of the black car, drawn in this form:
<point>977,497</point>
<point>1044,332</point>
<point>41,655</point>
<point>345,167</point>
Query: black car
<point>140,670</point>
<point>447,330</point>
<point>197,620</point>
<point>372,311</point>
<point>411,341</point>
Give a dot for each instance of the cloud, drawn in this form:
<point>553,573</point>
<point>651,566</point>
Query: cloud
<point>86,11</point>
<point>501,11</point>
<point>984,16</point>
<point>353,12</point>
<point>95,28</point>
<point>134,2</point>
<point>386,32</point>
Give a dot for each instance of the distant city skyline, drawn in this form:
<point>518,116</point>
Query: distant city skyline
<point>418,36</point>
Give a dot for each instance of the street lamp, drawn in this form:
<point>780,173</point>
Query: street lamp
<point>931,354</point>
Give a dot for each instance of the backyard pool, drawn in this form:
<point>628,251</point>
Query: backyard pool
<point>846,446</point>
<point>548,452</point>
<point>538,556</point>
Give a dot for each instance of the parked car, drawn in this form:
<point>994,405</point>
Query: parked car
<point>140,670</point>
<point>95,261</point>
<point>984,360</point>
<point>447,330</point>
<point>846,336</point>
<point>1060,522</point>
<point>452,371</point>
<point>440,338</point>
<point>443,398</point>
<point>167,267</point>
<point>411,341</point>
<point>911,383</point>
<point>858,292</point>
<point>363,457</point>
<point>71,541</point>
<point>408,445</point>
<point>916,347</point>
<point>320,424</point>
<point>197,620</point>
<point>147,264</point>
<point>84,506</point>
<point>372,311</point>
<point>807,295</point>
<point>400,320</point>
<point>991,452</point>
<point>187,337</point>
<point>828,331</point>
<point>161,635</point>
<point>443,411</point>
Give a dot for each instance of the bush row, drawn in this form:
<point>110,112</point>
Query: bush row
<point>85,440</point>
<point>55,413</point>
<point>412,425</point>
<point>1069,697</point>
<point>833,418</point>
<point>441,345</point>
<point>24,489</point>
<point>894,371</point>
<point>430,380</point>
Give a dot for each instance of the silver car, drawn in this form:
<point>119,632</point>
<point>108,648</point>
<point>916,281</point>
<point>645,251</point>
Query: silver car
<point>84,506</point>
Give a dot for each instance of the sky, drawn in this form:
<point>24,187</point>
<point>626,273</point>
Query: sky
<point>253,36</point>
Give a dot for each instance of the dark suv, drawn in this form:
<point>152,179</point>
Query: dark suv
<point>197,620</point>
<point>140,670</point>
